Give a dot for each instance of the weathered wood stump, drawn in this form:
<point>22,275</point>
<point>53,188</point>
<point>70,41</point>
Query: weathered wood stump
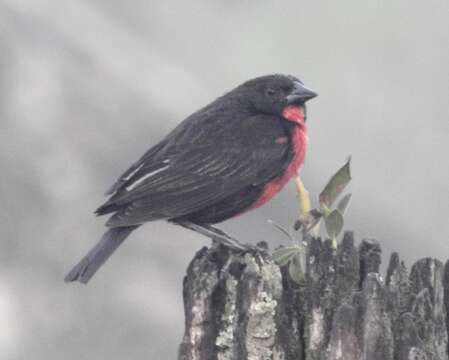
<point>243,306</point>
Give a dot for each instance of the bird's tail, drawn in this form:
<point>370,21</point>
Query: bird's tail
<point>97,256</point>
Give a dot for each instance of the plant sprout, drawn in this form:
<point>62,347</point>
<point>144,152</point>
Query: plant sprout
<point>309,220</point>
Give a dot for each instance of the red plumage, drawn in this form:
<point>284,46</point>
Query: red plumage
<point>298,140</point>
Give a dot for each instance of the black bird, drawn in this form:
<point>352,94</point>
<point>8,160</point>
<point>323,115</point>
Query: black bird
<point>228,157</point>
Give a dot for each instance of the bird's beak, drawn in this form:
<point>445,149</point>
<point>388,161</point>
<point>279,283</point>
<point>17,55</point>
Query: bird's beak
<point>300,94</point>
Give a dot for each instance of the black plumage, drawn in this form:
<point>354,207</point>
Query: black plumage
<point>212,166</point>
<point>201,169</point>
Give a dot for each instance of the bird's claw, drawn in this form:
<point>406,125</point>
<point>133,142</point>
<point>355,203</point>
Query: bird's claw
<point>219,237</point>
<point>234,244</point>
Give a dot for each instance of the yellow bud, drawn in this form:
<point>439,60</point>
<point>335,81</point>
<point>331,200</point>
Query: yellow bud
<point>303,201</point>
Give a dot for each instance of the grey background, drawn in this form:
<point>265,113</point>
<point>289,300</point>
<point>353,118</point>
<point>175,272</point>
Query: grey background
<point>87,86</point>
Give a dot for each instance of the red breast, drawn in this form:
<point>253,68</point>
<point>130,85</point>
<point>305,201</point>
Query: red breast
<point>299,143</point>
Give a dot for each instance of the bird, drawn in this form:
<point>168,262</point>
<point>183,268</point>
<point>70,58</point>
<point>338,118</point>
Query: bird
<point>229,157</point>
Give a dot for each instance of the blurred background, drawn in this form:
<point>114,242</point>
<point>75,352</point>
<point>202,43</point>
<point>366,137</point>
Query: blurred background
<point>87,86</point>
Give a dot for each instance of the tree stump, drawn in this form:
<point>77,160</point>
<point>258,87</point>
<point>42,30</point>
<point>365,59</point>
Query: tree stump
<point>243,306</point>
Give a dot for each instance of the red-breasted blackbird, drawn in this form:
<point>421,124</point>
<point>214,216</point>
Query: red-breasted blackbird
<point>231,156</point>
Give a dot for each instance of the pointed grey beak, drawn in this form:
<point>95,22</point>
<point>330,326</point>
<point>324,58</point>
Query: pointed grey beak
<point>300,94</point>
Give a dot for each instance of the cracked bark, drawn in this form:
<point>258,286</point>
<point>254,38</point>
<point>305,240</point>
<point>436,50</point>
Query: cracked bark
<point>243,306</point>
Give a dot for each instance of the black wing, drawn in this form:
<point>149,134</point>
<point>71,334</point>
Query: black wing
<point>142,166</point>
<point>198,166</point>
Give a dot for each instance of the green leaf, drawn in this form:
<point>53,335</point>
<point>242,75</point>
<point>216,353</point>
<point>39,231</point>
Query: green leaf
<point>334,223</point>
<point>324,209</point>
<point>343,203</point>
<point>284,254</point>
<point>336,185</point>
<point>297,268</point>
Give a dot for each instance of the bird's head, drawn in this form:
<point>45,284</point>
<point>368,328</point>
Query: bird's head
<point>282,95</point>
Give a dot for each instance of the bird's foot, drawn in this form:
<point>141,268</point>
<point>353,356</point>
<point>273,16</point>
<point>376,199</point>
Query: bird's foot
<point>217,236</point>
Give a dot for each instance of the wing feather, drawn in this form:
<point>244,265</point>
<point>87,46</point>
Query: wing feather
<point>199,174</point>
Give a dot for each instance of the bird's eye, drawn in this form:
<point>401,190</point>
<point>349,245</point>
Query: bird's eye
<point>271,92</point>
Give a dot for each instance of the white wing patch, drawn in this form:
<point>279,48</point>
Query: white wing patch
<point>146,176</point>
<point>133,172</point>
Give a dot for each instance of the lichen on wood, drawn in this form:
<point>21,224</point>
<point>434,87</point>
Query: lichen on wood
<point>241,305</point>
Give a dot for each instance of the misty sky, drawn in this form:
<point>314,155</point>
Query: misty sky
<point>87,86</point>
